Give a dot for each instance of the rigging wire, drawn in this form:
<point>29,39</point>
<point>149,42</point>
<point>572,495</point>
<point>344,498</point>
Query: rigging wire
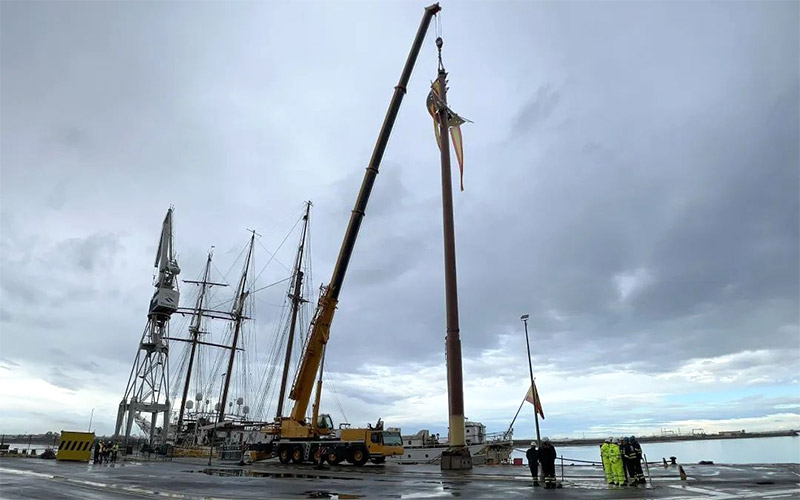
<point>233,264</point>
<point>335,393</point>
<point>271,285</point>
<point>272,255</point>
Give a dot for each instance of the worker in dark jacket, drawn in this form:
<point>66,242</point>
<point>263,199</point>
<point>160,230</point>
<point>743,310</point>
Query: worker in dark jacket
<point>547,457</point>
<point>533,462</point>
<point>98,457</point>
<point>637,460</point>
<point>628,455</point>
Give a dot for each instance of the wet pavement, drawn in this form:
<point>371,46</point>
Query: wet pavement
<point>194,479</point>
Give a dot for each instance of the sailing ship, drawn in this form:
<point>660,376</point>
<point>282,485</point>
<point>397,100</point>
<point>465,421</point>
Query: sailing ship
<point>228,403</point>
<point>197,427</point>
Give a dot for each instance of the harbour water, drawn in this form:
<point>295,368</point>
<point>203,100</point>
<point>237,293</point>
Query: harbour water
<point>39,447</point>
<point>781,449</point>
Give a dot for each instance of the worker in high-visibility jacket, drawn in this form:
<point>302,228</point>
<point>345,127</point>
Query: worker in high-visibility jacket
<point>605,457</point>
<point>615,457</point>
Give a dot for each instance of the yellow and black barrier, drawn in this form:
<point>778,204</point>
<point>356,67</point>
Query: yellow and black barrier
<point>75,446</point>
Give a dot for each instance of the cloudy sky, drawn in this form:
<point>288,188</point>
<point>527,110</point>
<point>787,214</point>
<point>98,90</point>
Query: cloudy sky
<point>632,180</point>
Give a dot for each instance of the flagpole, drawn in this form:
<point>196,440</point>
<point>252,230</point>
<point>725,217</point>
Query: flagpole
<point>524,319</point>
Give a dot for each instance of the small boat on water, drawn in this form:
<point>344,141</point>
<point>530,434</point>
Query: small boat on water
<point>424,447</point>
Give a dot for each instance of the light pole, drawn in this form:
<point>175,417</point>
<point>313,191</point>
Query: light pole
<point>524,319</point>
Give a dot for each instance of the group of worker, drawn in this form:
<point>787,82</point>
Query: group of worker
<point>105,451</point>
<point>546,455</point>
<point>622,461</point>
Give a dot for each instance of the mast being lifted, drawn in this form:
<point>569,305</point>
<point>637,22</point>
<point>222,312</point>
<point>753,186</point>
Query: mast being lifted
<point>457,456</point>
<point>148,387</point>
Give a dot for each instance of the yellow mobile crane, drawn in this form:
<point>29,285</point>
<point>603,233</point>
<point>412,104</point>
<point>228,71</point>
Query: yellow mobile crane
<point>299,440</point>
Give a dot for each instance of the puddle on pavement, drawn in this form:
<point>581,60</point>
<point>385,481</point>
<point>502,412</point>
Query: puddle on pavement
<point>332,496</point>
<point>281,475</point>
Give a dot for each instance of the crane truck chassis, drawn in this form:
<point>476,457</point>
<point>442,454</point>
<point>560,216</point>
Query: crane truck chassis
<point>295,438</point>
<point>355,446</point>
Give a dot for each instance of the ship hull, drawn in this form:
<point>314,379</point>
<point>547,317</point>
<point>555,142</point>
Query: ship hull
<point>481,454</point>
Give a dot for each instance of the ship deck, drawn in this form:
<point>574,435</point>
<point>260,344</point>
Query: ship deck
<point>195,479</point>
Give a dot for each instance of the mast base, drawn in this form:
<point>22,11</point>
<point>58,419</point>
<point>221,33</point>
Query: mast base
<point>456,458</point>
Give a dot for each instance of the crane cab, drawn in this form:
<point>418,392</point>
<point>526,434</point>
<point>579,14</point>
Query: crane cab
<point>378,443</point>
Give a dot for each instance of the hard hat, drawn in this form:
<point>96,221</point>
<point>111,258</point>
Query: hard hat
<point>533,443</point>
<point>546,439</point>
<point>608,440</point>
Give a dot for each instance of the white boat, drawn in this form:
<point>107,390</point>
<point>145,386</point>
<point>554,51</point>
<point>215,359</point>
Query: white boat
<point>424,447</point>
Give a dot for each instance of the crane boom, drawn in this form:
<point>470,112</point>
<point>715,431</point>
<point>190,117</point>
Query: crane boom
<point>320,332</point>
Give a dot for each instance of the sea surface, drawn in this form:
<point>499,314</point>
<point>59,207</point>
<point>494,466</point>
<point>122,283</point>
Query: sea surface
<point>781,449</point>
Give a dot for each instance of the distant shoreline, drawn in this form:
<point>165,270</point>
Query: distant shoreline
<point>524,443</point>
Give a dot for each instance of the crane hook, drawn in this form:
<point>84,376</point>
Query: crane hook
<point>439,43</point>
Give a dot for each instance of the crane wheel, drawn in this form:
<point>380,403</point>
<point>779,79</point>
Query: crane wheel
<point>297,454</point>
<point>334,458</point>
<point>284,454</point>
<point>378,461</point>
<point>359,455</point>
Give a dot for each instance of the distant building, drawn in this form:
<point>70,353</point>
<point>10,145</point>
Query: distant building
<point>731,433</point>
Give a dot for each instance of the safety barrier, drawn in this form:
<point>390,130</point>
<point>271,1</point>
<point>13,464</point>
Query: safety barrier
<point>191,451</point>
<point>234,452</point>
<point>75,446</point>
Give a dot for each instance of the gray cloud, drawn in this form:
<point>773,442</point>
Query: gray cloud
<point>538,109</point>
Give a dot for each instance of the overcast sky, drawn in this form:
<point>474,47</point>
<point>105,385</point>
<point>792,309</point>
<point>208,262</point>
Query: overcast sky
<point>632,180</point>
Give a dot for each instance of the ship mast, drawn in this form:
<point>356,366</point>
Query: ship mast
<point>194,331</point>
<point>297,299</point>
<point>238,317</point>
